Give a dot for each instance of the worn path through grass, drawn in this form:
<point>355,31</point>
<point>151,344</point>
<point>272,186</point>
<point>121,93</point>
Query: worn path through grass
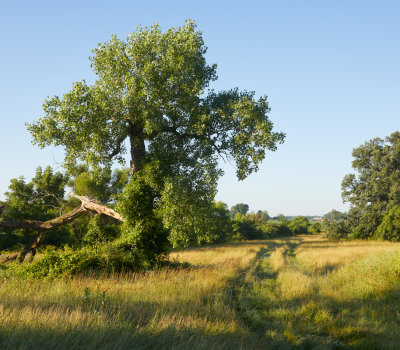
<point>310,293</point>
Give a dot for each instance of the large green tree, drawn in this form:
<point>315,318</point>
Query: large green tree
<point>374,188</point>
<point>153,91</point>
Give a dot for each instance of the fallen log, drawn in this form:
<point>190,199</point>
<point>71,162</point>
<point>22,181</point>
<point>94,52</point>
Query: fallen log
<point>87,205</point>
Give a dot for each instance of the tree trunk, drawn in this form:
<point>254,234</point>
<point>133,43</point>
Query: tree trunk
<point>43,226</point>
<point>138,149</point>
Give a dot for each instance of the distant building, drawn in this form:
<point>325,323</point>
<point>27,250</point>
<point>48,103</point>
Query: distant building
<point>317,219</point>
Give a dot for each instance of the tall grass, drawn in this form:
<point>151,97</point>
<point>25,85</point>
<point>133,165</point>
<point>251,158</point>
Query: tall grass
<point>330,294</point>
<point>299,292</point>
<point>184,308</point>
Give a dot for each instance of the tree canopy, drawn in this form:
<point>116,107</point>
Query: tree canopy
<point>240,208</point>
<point>153,91</point>
<point>374,188</point>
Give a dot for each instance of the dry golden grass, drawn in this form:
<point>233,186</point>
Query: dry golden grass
<point>317,253</point>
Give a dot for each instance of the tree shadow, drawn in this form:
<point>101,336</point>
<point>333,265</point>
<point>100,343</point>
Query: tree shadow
<point>371,322</point>
<point>124,338</point>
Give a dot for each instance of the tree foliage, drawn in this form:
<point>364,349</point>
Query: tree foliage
<point>41,198</point>
<point>389,229</point>
<point>374,188</point>
<point>239,208</point>
<point>315,227</point>
<point>299,225</point>
<point>244,227</point>
<point>103,186</point>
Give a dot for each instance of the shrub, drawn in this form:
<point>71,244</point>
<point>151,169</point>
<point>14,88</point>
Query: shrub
<point>276,229</point>
<point>117,256</point>
<point>121,255</point>
<point>245,228</point>
<point>315,227</point>
<point>98,231</point>
<point>335,229</point>
<point>299,225</point>
<point>59,262</point>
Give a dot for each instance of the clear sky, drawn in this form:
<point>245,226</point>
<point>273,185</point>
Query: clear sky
<point>331,70</point>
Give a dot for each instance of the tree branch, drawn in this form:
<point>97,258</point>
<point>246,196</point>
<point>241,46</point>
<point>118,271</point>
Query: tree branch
<point>117,149</point>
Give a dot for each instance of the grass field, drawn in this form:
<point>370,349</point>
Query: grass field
<point>301,292</point>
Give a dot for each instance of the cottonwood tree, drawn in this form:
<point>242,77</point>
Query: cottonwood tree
<point>153,91</point>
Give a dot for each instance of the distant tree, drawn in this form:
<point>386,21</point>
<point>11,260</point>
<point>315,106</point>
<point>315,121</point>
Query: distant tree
<point>299,225</point>
<point>262,216</point>
<point>259,218</point>
<point>282,218</point>
<point>277,229</point>
<point>152,90</point>
<point>335,225</point>
<point>374,188</point>
<point>222,223</point>
<point>334,215</point>
<point>244,227</point>
<point>263,213</point>
<point>239,208</point>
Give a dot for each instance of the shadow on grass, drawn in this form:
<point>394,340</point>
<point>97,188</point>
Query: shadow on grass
<point>368,323</point>
<point>129,325</point>
<point>372,322</point>
<point>124,337</point>
<point>325,269</point>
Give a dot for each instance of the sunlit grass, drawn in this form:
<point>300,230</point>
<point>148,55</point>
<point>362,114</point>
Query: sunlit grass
<point>337,294</point>
<point>301,291</point>
<point>169,308</point>
<point>317,253</point>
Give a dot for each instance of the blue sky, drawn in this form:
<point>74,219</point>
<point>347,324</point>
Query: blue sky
<point>331,70</point>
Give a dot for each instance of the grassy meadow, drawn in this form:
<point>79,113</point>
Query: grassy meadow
<point>299,292</point>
